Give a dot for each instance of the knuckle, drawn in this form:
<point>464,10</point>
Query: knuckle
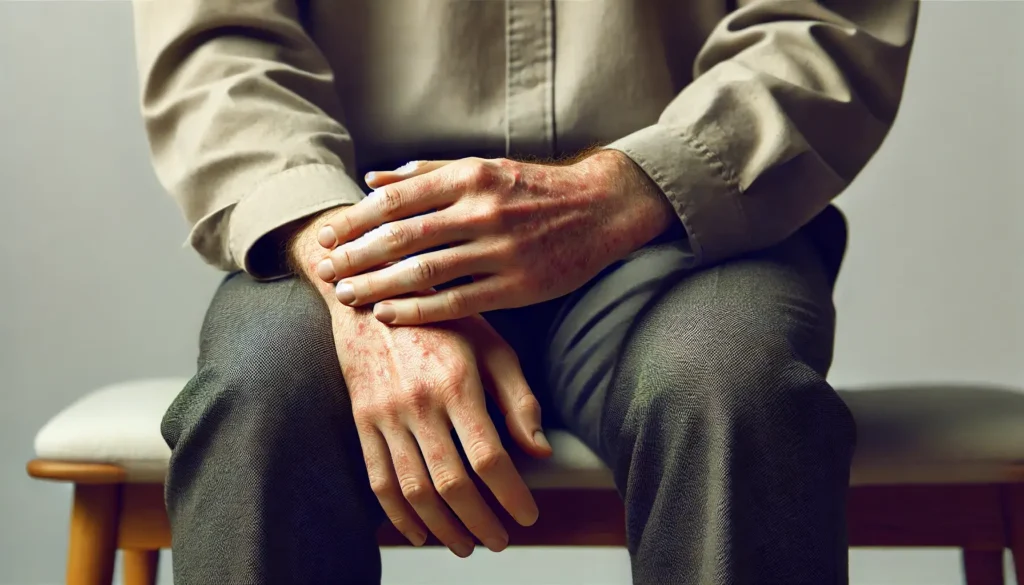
<point>343,224</point>
<point>428,226</point>
<point>391,200</point>
<point>453,384</point>
<point>378,412</point>
<point>456,301</point>
<point>415,491</point>
<point>511,172</point>
<point>451,393</point>
<point>477,173</point>
<point>363,414</point>
<point>381,485</point>
<point>396,236</point>
<point>420,315</point>
<point>341,257</point>
<point>448,483</point>
<point>505,250</point>
<point>425,271</point>
<point>528,404</point>
<point>487,458</point>
<point>488,211</point>
<point>417,399</point>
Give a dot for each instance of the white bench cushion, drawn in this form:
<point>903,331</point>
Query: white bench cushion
<point>920,434</point>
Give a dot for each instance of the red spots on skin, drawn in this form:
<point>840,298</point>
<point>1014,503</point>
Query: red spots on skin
<point>435,457</point>
<point>474,428</point>
<point>426,228</point>
<point>558,229</point>
<point>402,460</point>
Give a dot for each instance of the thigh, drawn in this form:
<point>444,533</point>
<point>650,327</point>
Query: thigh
<point>650,322</point>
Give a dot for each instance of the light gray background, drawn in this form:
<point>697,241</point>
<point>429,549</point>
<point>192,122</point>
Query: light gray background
<point>96,287</point>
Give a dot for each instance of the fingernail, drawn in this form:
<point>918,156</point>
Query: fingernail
<point>384,313</point>
<point>345,293</point>
<point>462,549</point>
<point>496,543</point>
<point>408,167</point>
<point>325,269</point>
<point>541,440</point>
<point>370,177</point>
<point>416,538</point>
<point>327,237</point>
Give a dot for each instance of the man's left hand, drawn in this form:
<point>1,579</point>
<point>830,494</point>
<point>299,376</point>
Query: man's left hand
<point>526,233</point>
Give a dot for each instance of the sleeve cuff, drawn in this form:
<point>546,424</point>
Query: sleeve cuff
<point>277,202</point>
<point>701,188</point>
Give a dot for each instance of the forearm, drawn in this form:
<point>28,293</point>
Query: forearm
<point>242,117</point>
<point>789,101</point>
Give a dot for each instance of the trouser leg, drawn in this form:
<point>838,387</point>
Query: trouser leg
<point>705,393</point>
<point>267,484</point>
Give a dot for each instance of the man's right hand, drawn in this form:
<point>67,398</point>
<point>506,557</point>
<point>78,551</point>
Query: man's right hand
<point>409,387</point>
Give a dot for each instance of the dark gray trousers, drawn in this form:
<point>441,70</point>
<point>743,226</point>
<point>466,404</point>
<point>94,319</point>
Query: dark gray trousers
<point>703,391</point>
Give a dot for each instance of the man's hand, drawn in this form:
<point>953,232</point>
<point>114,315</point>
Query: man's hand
<point>409,388</point>
<point>526,233</point>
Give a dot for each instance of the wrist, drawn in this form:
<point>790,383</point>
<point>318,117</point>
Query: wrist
<point>305,252</point>
<point>646,210</point>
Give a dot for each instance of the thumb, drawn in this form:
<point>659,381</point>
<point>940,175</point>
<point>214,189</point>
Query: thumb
<point>378,179</point>
<point>502,376</point>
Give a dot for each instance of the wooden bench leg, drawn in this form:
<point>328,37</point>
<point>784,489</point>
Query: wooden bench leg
<point>984,567</point>
<point>140,567</point>
<point>93,538</point>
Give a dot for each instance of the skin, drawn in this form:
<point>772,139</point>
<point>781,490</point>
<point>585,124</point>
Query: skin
<point>409,388</point>
<point>527,233</point>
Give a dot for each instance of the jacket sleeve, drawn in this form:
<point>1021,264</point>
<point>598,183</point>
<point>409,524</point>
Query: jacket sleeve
<point>244,124</point>
<point>790,100</point>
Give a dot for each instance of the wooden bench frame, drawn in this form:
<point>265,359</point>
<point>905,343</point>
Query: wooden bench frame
<point>983,520</point>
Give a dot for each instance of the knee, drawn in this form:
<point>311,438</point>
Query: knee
<point>279,377</point>
<point>730,379</point>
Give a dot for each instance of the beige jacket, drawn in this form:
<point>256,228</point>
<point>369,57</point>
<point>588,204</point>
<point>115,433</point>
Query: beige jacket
<point>750,118</point>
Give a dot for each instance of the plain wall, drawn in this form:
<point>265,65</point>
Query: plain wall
<point>97,289</point>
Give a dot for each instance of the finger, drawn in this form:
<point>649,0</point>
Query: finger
<point>396,201</point>
<point>378,179</point>
<point>412,275</point>
<point>491,461</point>
<point>417,489</point>
<point>503,378</point>
<point>479,296</point>
<point>385,485</point>
<point>454,485</point>
<point>394,241</point>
